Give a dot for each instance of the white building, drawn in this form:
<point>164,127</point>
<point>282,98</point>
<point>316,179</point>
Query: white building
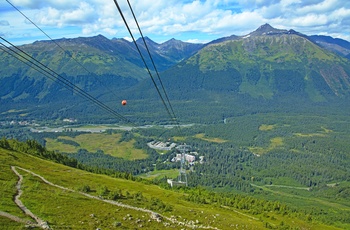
<point>161,145</point>
<point>189,158</point>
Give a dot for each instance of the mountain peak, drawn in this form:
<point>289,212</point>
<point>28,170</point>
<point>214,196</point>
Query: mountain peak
<point>149,41</point>
<point>266,29</point>
<point>172,41</point>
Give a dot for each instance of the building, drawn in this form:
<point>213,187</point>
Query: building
<point>189,158</point>
<point>161,145</point>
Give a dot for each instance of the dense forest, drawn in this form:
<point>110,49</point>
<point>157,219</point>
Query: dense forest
<point>249,150</point>
<point>204,98</point>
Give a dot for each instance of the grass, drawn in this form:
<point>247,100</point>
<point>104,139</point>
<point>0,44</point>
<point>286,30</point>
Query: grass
<point>55,205</point>
<point>7,224</point>
<point>86,214</point>
<point>309,134</point>
<point>158,174</point>
<point>210,139</point>
<point>274,143</point>
<point>55,145</point>
<point>69,209</point>
<point>326,130</point>
<point>264,127</point>
<point>323,133</point>
<point>179,139</point>
<point>93,142</point>
<point>301,198</point>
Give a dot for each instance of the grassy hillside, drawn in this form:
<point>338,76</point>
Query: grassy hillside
<point>75,199</point>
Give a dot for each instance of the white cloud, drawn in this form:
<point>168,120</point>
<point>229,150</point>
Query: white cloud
<point>84,13</point>
<point>195,41</point>
<point>176,17</point>
<point>39,4</point>
<point>128,39</point>
<point>319,7</point>
<point>310,20</point>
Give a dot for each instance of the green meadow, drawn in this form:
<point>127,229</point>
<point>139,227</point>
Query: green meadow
<point>65,205</point>
<point>159,174</point>
<point>108,143</point>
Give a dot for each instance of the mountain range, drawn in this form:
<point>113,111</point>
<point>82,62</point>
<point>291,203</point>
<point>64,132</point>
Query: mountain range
<point>267,64</point>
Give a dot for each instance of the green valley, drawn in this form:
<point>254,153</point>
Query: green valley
<point>257,124</point>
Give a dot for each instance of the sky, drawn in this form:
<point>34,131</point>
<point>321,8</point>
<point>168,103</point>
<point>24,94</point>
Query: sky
<point>198,21</point>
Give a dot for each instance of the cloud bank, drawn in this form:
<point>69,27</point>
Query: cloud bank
<point>200,20</point>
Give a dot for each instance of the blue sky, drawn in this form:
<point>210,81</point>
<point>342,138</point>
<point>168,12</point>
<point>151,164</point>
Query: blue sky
<point>192,21</point>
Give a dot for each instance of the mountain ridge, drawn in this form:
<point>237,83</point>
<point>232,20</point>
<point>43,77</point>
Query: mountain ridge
<point>267,63</point>
<point>274,62</point>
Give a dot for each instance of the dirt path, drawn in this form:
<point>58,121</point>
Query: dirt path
<point>154,215</point>
<point>241,213</point>
<point>41,223</point>
<point>286,186</point>
<point>17,219</point>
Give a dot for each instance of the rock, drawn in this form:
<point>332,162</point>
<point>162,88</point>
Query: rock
<point>156,216</point>
<point>117,224</point>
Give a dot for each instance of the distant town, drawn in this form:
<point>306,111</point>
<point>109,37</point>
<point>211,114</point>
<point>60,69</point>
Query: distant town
<point>189,157</point>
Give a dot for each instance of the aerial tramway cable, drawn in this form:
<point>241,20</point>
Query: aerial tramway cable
<point>55,76</point>
<point>172,116</point>
<point>70,85</point>
<point>65,51</point>
<point>150,56</point>
<point>13,54</point>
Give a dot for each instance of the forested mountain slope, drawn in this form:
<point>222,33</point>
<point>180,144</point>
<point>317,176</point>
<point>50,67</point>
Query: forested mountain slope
<point>266,69</point>
<point>268,65</point>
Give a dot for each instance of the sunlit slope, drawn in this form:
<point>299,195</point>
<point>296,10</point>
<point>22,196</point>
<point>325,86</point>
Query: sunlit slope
<point>266,66</point>
<point>69,198</point>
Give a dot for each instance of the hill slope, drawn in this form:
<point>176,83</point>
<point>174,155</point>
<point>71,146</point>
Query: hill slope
<point>50,191</point>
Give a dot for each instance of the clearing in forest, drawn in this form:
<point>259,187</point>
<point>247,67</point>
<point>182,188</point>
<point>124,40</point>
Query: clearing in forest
<point>274,143</point>
<point>93,142</point>
<point>264,127</point>
<point>210,139</point>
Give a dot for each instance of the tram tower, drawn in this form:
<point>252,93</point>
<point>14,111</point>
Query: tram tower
<point>183,149</point>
